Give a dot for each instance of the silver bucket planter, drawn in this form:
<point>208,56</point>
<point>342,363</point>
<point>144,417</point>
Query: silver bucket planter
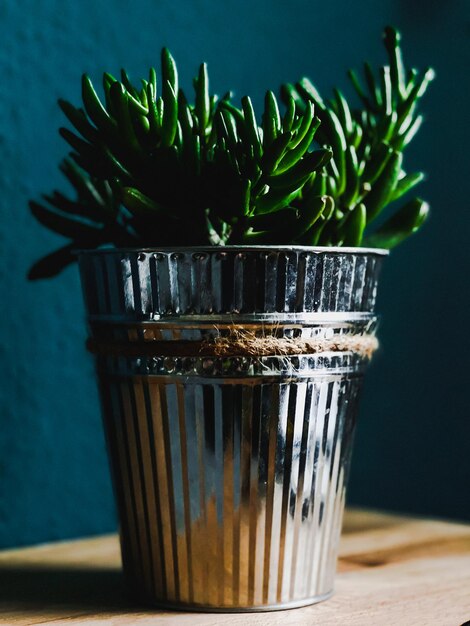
<point>229,473</point>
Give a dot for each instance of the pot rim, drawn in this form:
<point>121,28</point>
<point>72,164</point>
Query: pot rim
<point>232,248</point>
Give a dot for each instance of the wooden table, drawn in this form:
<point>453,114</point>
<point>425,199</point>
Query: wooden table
<point>393,571</point>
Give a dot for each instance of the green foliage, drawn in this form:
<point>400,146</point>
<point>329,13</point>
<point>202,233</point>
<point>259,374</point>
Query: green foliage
<point>366,172</point>
<point>151,169</point>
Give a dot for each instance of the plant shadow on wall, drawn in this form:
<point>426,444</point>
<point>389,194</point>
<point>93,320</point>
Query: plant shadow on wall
<point>155,170</point>
<point>230,374</point>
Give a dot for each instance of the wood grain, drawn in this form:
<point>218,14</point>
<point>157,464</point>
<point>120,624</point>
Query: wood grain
<point>393,571</point>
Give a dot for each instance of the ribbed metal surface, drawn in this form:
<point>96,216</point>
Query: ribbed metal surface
<point>230,473</point>
<point>143,284</point>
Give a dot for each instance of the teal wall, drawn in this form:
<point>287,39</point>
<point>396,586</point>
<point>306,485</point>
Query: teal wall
<point>412,446</point>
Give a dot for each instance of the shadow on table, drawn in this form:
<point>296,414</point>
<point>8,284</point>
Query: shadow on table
<point>36,588</point>
<point>41,588</point>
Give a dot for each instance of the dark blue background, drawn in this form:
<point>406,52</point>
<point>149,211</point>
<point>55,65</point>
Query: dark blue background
<point>412,446</point>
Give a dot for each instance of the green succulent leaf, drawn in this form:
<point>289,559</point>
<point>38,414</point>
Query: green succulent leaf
<point>407,106</point>
<point>401,142</point>
<point>295,154</point>
<point>276,199</point>
<point>352,188</point>
<point>131,90</point>
<point>153,81</point>
<point>203,99</point>
<point>305,125</point>
<point>306,90</point>
<point>406,184</point>
<point>315,209</point>
<point>386,90</point>
<point>374,90</point>
<point>318,186</point>
<point>324,222</point>
<point>274,153</point>
<point>289,115</point>
<point>251,126</point>
<point>120,100</point>
<point>310,162</point>
<point>271,119</point>
<point>230,128</point>
<point>154,119</point>
<point>237,114</point>
<point>140,204</point>
<point>400,226</point>
<point>169,115</point>
<point>356,83</point>
<point>95,108</point>
<point>391,40</point>
<point>384,186</point>
<point>344,112</point>
<point>377,161</point>
<point>286,225</point>
<point>354,226</point>
<point>289,91</point>
<point>169,70</point>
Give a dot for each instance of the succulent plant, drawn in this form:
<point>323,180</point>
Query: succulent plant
<point>153,170</point>
<point>366,172</point>
<point>156,170</point>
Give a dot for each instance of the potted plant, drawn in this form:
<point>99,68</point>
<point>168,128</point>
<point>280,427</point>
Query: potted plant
<point>231,311</point>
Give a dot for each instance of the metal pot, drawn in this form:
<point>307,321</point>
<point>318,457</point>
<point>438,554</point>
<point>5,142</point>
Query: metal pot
<point>229,473</point>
